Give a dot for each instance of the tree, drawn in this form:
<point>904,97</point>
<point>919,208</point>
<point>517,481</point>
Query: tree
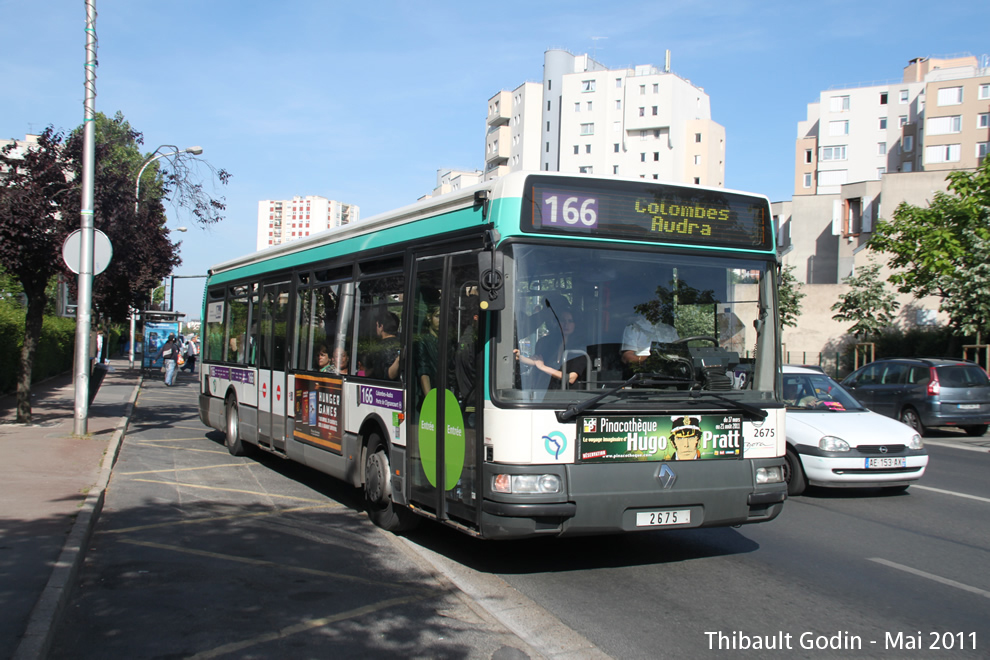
<point>34,221</point>
<point>40,200</point>
<point>789,298</point>
<point>935,250</point>
<point>868,303</point>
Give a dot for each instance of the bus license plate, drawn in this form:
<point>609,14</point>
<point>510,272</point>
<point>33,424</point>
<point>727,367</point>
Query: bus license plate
<point>886,462</point>
<point>659,518</point>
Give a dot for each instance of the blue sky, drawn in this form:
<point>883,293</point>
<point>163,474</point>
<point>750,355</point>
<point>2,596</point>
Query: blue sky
<point>362,103</point>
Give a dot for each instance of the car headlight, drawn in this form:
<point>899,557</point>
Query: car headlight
<point>916,442</point>
<point>831,443</point>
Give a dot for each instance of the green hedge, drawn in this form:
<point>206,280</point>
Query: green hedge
<point>53,356</point>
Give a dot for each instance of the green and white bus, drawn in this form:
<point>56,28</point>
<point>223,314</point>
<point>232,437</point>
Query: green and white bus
<point>541,354</point>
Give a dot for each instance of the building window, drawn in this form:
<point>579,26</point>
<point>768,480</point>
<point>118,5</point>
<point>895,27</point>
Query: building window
<point>908,142</point>
<point>697,160</point>
<point>656,88</point>
<point>807,180</point>
<point>950,96</point>
<point>807,156</point>
<point>942,153</point>
<point>656,156</point>
<point>587,129</point>
<point>587,148</point>
<point>616,147</point>
<point>642,157</point>
<point>616,126</point>
<point>839,104</point>
<point>697,180</point>
<point>615,169</point>
<point>548,126</point>
<point>833,153</point>
<point>655,110</point>
<point>576,150</point>
<point>618,104</point>
<point>883,98</point>
<point>587,169</point>
<point>838,127</point>
<point>981,149</point>
<point>577,107</point>
<point>618,83</point>
<point>697,137</point>
<point>589,106</point>
<point>881,148</point>
<point>642,90</point>
<point>983,120</point>
<point>944,125</point>
<point>903,97</point>
<point>548,106</point>
<point>983,92</point>
<point>902,121</point>
<point>907,166</point>
<point>880,172</point>
<point>883,123</point>
<point>587,85</point>
<point>548,147</point>
<point>642,111</point>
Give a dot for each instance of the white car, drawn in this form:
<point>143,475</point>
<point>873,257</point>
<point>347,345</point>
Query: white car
<point>832,440</point>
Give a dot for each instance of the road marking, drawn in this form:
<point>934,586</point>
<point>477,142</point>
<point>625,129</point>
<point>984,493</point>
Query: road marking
<point>930,576</point>
<point>264,563</point>
<point>188,469</point>
<point>956,445</point>
<point>151,442</point>
<point>230,490</point>
<point>237,516</point>
<point>304,626</point>
<point>949,492</point>
<point>192,449</point>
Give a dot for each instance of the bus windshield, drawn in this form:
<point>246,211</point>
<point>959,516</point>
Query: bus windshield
<point>582,320</point>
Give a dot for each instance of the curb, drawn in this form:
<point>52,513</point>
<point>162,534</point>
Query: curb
<point>37,639</point>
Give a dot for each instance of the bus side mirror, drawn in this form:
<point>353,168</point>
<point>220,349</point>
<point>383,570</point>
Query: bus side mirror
<point>491,291</point>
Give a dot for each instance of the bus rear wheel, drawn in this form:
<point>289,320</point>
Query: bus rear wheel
<point>378,491</point>
<point>233,428</point>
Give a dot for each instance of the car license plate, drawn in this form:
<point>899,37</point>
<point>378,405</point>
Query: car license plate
<point>659,518</point>
<point>969,406</point>
<point>886,462</point>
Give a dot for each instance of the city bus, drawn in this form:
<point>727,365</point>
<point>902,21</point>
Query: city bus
<point>538,355</point>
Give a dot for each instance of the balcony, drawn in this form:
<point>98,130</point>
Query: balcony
<point>499,109</point>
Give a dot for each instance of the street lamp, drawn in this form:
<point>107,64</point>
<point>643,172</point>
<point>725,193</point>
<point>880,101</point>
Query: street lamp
<point>195,151</point>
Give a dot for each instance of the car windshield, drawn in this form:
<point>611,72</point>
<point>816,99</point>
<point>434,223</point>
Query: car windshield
<point>962,375</point>
<point>580,321</point>
<point>811,391</point>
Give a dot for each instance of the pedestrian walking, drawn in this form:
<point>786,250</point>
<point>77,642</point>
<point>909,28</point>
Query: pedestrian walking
<point>170,354</point>
<point>191,352</point>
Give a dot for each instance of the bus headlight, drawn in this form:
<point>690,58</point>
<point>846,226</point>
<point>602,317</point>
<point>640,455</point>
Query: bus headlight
<point>770,475</point>
<point>536,484</point>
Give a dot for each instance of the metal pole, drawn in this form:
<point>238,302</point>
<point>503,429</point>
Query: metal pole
<point>85,300</point>
<point>131,356</point>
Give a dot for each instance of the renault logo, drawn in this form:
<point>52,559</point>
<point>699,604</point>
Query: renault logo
<point>666,476</point>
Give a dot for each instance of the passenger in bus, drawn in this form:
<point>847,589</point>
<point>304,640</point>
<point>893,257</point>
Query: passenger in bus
<point>323,359</point>
<point>385,360</point>
<point>335,365</point>
<point>341,361</point>
<point>638,338</point>
<point>550,353</point>
<point>465,362</point>
<point>428,353</point>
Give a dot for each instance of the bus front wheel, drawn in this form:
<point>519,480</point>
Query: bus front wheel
<point>378,491</point>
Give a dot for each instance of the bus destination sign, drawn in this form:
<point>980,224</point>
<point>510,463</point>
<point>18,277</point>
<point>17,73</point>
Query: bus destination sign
<point>654,213</point>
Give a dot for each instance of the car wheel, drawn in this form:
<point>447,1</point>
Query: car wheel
<point>975,429</point>
<point>378,493</point>
<point>910,417</point>
<point>794,474</point>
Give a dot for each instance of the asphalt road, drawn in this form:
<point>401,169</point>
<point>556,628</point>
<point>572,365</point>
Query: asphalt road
<point>200,554</point>
<point>840,573</point>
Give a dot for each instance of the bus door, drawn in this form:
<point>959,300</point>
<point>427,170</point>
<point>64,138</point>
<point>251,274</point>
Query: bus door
<point>269,339</point>
<point>443,375</point>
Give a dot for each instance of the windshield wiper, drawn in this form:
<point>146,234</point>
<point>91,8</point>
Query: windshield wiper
<point>575,409</point>
<point>758,413</point>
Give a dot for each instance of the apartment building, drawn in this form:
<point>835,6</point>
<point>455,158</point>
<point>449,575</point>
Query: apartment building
<point>281,221</point>
<point>641,122</point>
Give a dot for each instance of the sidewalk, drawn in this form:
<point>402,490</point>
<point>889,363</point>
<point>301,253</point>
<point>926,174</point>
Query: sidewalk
<point>51,487</point>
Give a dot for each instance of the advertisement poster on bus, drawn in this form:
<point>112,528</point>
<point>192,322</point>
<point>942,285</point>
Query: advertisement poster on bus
<point>155,335</point>
<point>318,411</point>
<point>614,439</point>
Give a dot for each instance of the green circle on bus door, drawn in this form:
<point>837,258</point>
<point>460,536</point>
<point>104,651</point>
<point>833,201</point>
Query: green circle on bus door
<point>454,439</point>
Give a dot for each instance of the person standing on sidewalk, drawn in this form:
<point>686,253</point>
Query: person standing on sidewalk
<point>170,354</point>
<point>191,353</point>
